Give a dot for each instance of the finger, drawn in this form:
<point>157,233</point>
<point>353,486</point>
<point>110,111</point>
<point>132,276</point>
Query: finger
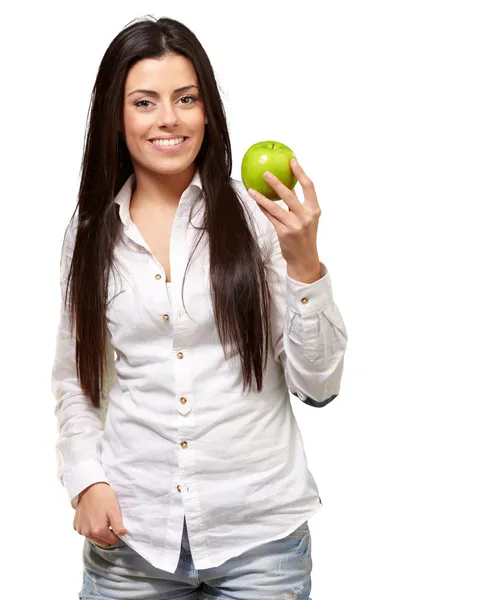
<point>286,194</point>
<point>307,185</point>
<point>111,536</point>
<point>271,207</point>
<point>278,225</point>
<point>105,535</point>
<point>116,523</point>
<point>101,542</point>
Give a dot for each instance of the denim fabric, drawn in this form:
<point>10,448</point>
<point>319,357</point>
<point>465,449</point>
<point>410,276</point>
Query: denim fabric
<point>278,570</point>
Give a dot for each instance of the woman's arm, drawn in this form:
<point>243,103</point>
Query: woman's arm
<point>309,335</point>
<point>79,426</point>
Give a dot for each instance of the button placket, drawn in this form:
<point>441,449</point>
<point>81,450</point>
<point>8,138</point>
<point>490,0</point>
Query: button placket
<point>182,367</point>
<point>185,424</point>
<point>161,299</point>
<point>183,405</point>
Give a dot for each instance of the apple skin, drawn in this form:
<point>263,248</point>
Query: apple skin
<point>267,156</point>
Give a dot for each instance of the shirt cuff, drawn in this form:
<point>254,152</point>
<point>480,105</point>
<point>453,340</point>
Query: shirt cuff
<point>80,476</point>
<point>309,298</point>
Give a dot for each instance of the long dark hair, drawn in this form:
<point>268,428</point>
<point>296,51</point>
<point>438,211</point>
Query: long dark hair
<point>237,272</point>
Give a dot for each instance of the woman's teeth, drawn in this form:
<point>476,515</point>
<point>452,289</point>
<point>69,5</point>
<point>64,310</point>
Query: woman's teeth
<point>173,142</point>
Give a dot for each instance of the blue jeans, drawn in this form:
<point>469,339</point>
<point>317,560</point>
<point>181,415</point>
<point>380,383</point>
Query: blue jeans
<point>277,570</point>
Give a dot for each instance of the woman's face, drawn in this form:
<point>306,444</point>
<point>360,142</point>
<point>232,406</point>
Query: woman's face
<point>162,109</point>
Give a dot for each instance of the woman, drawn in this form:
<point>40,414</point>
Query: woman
<point>177,442</point>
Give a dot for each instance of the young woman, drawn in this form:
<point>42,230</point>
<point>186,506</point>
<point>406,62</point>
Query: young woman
<point>177,442</point>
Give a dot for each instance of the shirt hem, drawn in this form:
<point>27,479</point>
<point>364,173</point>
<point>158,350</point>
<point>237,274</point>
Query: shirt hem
<point>207,563</point>
<point>221,559</point>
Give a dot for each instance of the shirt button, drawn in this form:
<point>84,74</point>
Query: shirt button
<point>178,488</point>
<point>184,444</point>
<point>183,400</point>
<point>180,355</point>
<point>158,276</point>
<point>166,317</point>
<point>304,300</point>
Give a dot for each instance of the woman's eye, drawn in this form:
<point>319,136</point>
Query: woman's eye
<point>146,103</point>
<point>139,103</point>
<point>193,98</point>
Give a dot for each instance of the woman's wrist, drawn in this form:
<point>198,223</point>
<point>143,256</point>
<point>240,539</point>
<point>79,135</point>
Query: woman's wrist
<point>80,495</point>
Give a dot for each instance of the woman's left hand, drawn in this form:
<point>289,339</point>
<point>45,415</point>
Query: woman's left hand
<point>297,228</point>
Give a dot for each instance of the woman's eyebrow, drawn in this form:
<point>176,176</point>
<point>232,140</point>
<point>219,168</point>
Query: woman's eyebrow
<point>153,93</point>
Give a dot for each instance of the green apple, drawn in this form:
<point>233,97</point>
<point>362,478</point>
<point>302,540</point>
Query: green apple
<point>267,156</point>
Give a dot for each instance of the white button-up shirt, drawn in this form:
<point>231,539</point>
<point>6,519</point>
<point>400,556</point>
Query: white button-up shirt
<point>175,436</point>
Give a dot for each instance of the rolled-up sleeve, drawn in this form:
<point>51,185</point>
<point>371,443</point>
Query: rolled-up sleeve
<point>79,425</point>
<point>309,335</point>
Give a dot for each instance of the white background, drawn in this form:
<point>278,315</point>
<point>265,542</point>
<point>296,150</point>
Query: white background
<point>392,109</point>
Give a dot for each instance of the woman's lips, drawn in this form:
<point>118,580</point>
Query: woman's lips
<point>173,148</point>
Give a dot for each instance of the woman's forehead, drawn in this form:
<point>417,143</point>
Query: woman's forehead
<point>165,74</point>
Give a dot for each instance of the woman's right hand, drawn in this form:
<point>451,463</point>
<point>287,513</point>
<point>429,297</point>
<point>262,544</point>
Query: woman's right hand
<point>98,508</point>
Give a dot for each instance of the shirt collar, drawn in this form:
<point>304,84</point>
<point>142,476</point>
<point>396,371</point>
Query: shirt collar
<point>125,194</point>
